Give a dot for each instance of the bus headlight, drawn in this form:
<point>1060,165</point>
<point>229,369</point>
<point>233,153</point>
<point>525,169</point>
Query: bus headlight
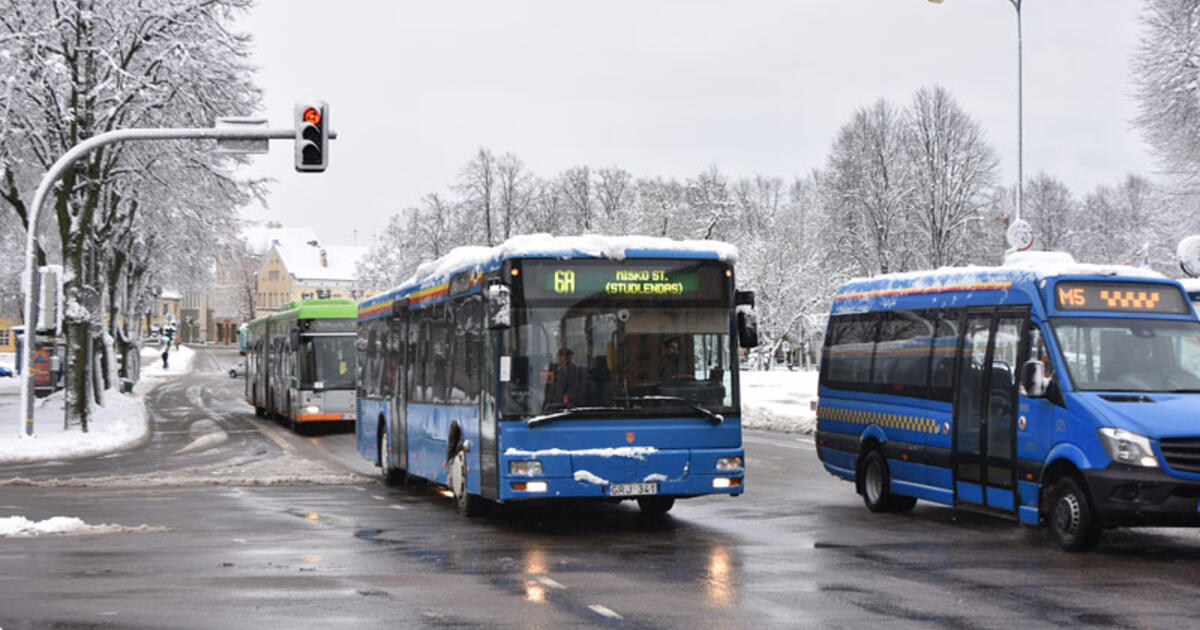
<point>729,463</point>
<point>312,409</point>
<point>527,467</point>
<point>1128,448</point>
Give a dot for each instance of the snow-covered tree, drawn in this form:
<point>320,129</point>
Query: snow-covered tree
<point>1165,76</point>
<point>75,69</point>
<point>1053,213</point>
<point>951,167</point>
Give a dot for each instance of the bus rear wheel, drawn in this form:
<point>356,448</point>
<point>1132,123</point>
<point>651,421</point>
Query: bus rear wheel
<point>877,486</point>
<point>1072,523</point>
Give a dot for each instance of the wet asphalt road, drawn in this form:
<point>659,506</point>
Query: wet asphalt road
<point>798,550</point>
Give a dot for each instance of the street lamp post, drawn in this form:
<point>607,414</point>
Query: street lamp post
<point>1020,113</point>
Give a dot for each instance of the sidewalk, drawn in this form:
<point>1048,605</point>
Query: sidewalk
<point>119,424</point>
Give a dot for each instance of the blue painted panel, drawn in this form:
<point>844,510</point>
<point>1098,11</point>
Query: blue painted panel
<point>1000,498</point>
<point>921,491</point>
<point>1028,515</point>
<point>366,426</point>
<point>905,471</point>
<point>941,477</point>
<point>1028,491</point>
<point>844,473</point>
<point>428,431</point>
<point>839,459</point>
<point>971,492</point>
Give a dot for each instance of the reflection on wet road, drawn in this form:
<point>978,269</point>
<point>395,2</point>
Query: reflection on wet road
<point>797,550</point>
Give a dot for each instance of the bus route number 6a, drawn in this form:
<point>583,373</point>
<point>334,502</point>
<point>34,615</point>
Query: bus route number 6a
<point>564,281</point>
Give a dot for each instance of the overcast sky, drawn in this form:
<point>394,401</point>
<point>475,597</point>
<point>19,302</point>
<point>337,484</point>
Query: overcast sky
<point>668,87</point>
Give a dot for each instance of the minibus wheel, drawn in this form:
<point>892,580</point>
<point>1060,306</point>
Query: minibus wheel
<point>1072,523</point>
<point>877,486</point>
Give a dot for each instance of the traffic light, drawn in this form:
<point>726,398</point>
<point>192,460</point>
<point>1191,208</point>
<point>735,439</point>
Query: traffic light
<point>312,136</point>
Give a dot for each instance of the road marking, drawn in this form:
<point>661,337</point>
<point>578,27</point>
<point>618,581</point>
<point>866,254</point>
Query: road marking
<point>549,582</point>
<point>378,497</point>
<point>397,507</point>
<point>795,444</point>
<point>604,611</point>
<point>278,440</point>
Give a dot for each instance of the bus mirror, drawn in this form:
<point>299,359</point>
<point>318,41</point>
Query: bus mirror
<point>747,324</point>
<point>1033,379</point>
<point>499,303</point>
<point>743,297</point>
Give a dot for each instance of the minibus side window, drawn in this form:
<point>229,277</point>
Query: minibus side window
<point>945,344</point>
<point>851,345</point>
<point>902,354</point>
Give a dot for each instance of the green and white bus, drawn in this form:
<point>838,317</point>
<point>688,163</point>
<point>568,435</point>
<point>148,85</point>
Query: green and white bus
<point>300,362</point>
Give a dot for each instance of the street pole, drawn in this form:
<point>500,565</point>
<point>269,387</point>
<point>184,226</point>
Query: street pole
<point>30,279</point>
<point>1020,116</point>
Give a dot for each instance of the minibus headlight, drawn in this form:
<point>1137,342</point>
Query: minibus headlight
<point>525,467</point>
<point>729,463</point>
<point>1126,447</point>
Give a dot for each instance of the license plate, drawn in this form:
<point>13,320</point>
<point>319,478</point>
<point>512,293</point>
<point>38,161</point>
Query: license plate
<point>632,489</point>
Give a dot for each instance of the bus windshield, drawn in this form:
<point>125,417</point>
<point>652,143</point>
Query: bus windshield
<point>636,339</point>
<point>1137,355</point>
<point>327,362</point>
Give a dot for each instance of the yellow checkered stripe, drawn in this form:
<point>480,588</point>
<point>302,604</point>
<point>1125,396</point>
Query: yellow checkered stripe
<point>889,420</point>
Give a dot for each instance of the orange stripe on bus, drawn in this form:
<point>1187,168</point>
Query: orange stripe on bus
<point>312,417</point>
<point>945,288</point>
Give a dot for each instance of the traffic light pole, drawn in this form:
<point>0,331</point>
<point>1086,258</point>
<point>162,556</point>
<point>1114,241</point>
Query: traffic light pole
<point>30,279</point>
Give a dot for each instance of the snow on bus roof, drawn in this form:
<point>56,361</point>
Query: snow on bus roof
<point>550,246</point>
<point>1191,285</point>
<point>1017,266</point>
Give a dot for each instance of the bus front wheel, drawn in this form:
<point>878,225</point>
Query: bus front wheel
<point>655,506</point>
<point>1072,523</point>
<point>877,486</point>
<point>391,476</point>
<point>468,504</point>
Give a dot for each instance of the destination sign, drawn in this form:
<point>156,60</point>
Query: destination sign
<point>585,279</point>
<point>1125,297</point>
<point>329,325</point>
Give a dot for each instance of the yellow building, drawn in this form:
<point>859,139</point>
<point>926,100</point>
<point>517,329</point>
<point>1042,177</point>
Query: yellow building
<point>8,339</point>
<point>165,311</point>
<point>298,267</point>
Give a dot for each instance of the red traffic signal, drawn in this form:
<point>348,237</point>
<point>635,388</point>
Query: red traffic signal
<point>312,136</point>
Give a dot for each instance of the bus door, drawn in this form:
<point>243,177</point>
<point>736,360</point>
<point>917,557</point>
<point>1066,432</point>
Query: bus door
<point>396,353</point>
<point>985,406</point>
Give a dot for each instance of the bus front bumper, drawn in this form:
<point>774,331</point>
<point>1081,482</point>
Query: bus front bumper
<point>515,488</point>
<point>1126,496</point>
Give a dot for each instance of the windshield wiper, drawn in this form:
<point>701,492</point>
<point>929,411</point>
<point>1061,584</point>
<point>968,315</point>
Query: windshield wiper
<point>568,413</point>
<point>707,414</point>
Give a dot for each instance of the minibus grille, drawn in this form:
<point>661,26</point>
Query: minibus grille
<point>1182,453</point>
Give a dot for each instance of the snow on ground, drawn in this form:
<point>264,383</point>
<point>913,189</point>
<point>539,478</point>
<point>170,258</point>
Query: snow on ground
<point>21,527</point>
<point>779,400</point>
<point>119,424</point>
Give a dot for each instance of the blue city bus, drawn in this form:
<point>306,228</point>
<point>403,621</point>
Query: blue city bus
<point>596,368</point>
<point>1063,395</point>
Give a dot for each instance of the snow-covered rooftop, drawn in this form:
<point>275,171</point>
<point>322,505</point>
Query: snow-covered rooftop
<point>259,238</point>
<point>1191,285</point>
<point>1030,265</point>
<point>304,261</point>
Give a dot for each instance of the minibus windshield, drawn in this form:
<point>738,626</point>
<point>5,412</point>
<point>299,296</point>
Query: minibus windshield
<point>1136,355</point>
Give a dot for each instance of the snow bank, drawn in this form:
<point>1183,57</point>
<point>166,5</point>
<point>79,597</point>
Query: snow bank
<point>119,424</point>
<point>779,400</point>
<point>21,527</point>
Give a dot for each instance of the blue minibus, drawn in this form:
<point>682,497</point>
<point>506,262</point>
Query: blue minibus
<point>550,368</point>
<point>1044,391</point>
